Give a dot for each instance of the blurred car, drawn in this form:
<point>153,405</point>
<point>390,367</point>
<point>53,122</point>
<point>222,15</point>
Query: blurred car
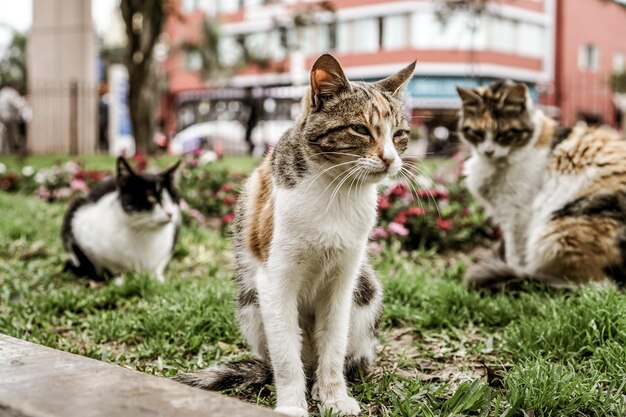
<point>266,134</point>
<point>229,136</point>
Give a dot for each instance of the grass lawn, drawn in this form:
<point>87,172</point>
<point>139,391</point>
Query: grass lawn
<point>444,350</point>
<point>241,164</point>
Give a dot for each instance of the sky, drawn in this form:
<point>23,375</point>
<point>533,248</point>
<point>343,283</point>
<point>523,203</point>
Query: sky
<point>19,15</point>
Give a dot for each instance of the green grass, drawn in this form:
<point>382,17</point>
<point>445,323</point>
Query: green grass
<point>547,354</point>
<point>242,164</point>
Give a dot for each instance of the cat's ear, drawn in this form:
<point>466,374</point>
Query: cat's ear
<point>470,98</point>
<point>169,172</point>
<point>124,171</point>
<point>514,98</point>
<point>396,83</point>
<point>327,80</point>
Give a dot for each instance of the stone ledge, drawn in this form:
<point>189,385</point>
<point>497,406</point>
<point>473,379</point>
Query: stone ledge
<point>36,381</point>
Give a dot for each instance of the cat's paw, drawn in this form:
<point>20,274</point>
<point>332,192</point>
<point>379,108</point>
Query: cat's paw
<point>342,406</point>
<point>292,411</point>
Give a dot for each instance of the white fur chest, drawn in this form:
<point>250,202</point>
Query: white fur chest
<point>507,188</point>
<point>103,232</point>
<point>507,192</point>
<point>312,217</point>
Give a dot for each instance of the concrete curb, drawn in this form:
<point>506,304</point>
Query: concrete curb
<point>36,381</point>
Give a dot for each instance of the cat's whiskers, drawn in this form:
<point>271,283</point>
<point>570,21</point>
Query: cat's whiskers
<point>413,176</point>
<point>340,184</point>
<point>412,187</point>
<point>332,182</point>
<point>326,170</point>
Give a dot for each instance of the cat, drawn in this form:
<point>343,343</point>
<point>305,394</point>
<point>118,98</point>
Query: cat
<point>309,302</point>
<point>559,195</point>
<point>127,223</point>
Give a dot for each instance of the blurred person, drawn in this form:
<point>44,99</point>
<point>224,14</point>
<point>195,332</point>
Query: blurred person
<point>103,120</point>
<point>15,114</point>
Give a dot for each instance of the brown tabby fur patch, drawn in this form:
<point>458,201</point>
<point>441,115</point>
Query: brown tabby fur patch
<point>583,239</point>
<point>262,219</point>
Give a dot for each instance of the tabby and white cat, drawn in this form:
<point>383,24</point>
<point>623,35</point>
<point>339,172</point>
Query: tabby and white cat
<point>127,223</point>
<point>558,195</point>
<point>309,302</point>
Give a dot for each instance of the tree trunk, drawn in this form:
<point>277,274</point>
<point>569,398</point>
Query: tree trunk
<point>143,20</point>
<point>142,106</point>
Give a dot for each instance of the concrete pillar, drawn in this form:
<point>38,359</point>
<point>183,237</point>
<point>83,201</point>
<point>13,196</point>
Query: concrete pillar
<point>62,79</point>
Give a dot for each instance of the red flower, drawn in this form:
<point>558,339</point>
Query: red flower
<point>228,218</point>
<point>442,194</point>
<point>416,211</point>
<point>444,224</point>
<point>399,190</point>
<point>229,200</point>
<point>400,218</point>
<point>141,161</point>
<point>383,203</point>
<point>227,187</point>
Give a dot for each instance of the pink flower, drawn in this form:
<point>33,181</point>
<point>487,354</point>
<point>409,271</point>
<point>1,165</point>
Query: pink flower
<point>383,203</point>
<point>197,215</point>
<point>375,248</point>
<point>444,224</point>
<point>63,193</point>
<point>416,211</point>
<point>378,233</point>
<point>397,229</point>
<point>43,193</point>
<point>229,200</point>
<point>227,187</point>
<point>228,218</point>
<point>81,185</point>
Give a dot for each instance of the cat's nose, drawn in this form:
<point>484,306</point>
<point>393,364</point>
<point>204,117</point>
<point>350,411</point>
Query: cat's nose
<point>387,162</point>
<point>489,153</point>
<point>169,215</point>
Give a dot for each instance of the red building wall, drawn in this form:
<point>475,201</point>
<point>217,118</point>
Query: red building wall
<point>579,22</point>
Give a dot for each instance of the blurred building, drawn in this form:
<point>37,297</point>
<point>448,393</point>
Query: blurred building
<point>591,44</point>
<point>62,85</point>
<point>274,43</point>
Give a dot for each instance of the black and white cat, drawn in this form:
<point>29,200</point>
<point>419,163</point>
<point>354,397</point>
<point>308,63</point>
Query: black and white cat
<point>127,223</point>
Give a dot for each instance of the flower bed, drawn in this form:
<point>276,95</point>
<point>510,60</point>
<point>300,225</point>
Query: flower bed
<point>424,213</point>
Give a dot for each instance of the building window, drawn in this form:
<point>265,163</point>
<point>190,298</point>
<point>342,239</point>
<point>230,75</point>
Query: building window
<point>193,60</point>
<point>364,35</point>
<point>530,40</point>
<point>395,32</point>
<point>228,6</point>
<point>229,51</point>
<point>589,57</point>
<point>619,62</point>
<point>460,31</point>
<point>503,35</point>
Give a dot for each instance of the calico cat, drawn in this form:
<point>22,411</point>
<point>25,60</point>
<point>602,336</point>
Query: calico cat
<point>559,195</point>
<point>127,223</point>
<point>309,301</point>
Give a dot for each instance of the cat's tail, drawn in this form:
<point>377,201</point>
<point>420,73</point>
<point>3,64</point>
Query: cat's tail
<point>239,374</point>
<point>495,274</point>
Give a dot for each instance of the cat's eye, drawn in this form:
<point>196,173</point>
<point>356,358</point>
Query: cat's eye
<point>361,130</point>
<point>400,132</point>
<point>152,199</point>
<point>474,133</point>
